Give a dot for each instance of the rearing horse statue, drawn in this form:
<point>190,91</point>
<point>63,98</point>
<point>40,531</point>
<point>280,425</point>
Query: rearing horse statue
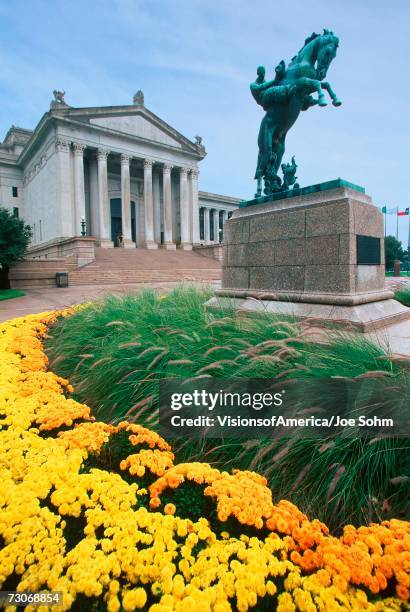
<point>284,97</point>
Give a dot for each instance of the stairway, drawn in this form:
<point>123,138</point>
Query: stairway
<point>122,266</point>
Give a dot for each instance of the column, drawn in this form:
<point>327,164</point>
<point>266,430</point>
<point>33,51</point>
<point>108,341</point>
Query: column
<point>156,198</point>
<point>206,226</point>
<point>186,243</point>
<point>79,192</point>
<point>126,203</point>
<point>148,206</point>
<point>223,224</point>
<point>195,206</point>
<point>93,188</point>
<point>64,212</point>
<point>103,202</point>
<point>166,182</point>
<point>216,226</point>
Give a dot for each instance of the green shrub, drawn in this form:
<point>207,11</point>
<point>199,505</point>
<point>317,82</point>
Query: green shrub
<point>14,240</point>
<point>403,295</point>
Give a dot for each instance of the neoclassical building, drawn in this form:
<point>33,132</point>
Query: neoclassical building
<point>117,173</point>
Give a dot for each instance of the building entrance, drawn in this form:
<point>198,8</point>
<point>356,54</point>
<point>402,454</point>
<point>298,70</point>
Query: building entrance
<point>116,221</point>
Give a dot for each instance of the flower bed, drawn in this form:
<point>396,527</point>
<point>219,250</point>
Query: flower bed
<point>102,513</point>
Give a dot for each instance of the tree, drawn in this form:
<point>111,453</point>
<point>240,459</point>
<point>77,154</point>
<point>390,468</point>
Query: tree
<point>14,240</point>
<point>393,249</point>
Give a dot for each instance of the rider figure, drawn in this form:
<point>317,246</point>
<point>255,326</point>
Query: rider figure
<point>269,92</point>
<point>266,93</point>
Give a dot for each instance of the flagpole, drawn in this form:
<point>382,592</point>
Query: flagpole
<point>397,223</point>
<point>408,241</point>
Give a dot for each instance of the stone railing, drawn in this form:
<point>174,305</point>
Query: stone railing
<point>79,249</point>
<point>210,250</point>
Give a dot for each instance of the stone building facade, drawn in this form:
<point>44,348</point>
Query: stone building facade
<point>119,174</point>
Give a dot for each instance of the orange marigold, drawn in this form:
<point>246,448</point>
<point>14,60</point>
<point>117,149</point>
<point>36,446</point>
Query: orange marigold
<point>243,495</point>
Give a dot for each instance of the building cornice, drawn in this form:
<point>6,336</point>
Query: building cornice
<point>41,128</point>
<point>207,195</point>
<point>18,131</point>
<point>9,161</point>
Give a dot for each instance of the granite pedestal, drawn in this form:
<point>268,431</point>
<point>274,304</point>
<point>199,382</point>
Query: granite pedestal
<point>315,253</point>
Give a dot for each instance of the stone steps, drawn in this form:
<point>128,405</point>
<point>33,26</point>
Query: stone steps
<point>121,266</point>
<point>111,277</point>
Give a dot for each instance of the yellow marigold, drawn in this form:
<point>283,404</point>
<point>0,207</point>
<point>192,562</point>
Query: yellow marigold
<point>200,473</point>
<point>156,461</point>
<point>142,435</point>
<point>134,599</point>
<point>89,436</point>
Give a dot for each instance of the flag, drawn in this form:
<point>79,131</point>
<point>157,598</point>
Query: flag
<point>402,213</point>
<point>389,211</point>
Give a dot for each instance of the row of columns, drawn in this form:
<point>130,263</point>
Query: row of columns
<point>100,218</point>
<point>216,228</point>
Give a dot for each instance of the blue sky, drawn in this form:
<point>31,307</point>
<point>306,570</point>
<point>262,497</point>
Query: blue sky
<point>194,60</point>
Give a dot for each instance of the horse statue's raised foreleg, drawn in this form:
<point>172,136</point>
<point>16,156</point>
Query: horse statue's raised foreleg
<point>333,96</point>
<point>309,85</point>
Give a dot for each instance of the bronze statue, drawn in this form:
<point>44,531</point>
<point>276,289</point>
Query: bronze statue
<point>284,97</point>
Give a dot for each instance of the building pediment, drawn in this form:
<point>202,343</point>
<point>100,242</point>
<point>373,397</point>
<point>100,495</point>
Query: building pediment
<point>137,125</point>
<point>133,121</point>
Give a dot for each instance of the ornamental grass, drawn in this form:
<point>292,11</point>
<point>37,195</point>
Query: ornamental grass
<point>403,295</point>
<point>80,516</point>
<point>115,352</point>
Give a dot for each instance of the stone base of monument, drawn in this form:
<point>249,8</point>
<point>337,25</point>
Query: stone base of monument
<point>313,253</point>
<point>363,318</point>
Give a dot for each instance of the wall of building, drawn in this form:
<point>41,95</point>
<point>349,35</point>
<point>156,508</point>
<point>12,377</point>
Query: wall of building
<point>43,191</point>
<point>11,177</point>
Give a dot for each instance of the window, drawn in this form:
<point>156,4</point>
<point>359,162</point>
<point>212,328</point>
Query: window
<point>15,211</point>
<point>15,192</point>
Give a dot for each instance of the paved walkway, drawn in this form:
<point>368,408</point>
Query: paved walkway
<point>397,282</point>
<point>395,338</point>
